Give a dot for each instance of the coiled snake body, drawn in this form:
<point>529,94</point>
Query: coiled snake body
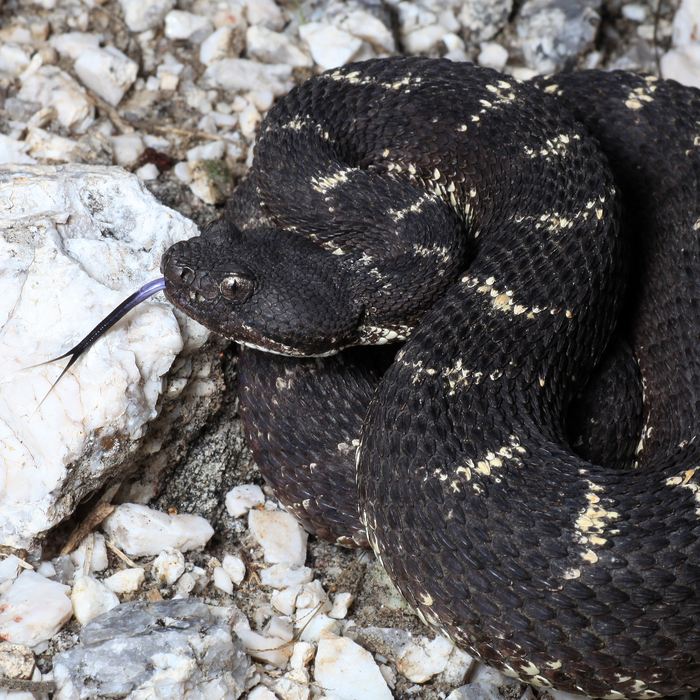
<point>477,216</point>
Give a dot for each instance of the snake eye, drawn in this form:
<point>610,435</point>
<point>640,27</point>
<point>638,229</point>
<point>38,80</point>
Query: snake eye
<point>235,287</point>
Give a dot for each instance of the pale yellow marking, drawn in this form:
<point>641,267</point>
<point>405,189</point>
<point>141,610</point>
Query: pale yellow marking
<point>684,481</point>
<point>324,184</point>
<point>426,599</point>
<point>590,556</point>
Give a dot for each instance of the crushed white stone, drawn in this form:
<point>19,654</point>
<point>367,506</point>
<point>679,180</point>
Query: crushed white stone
<point>168,566</point>
<point>280,536</point>
<point>330,47</point>
<point>285,574</point>
<point>346,670</point>
<point>98,556</point>
<point>33,609</point>
<point>91,598</point>
<point>234,567</point>
<point>107,72</point>
<point>141,531</point>
<point>126,580</point>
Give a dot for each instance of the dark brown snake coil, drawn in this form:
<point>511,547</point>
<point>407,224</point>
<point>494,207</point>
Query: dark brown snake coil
<point>476,215</point>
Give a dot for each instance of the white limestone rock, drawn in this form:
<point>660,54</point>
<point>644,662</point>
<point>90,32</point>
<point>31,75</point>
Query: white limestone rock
<point>265,12</point>
<point>341,603</point>
<point>284,575</point>
<point>234,567</point>
<point>551,33</point>
<point>186,25</point>
<point>682,61</point>
<point>492,55</point>
<point>33,609</point>
<point>369,28</point>
<point>91,598</point>
<point>126,148</point>
<point>347,671</point>
<point>330,46</point>
<point>168,566</point>
<point>418,661</point>
<point>52,87</point>
<point>141,15</point>
<point>241,74</point>
<point>61,266</point>
<point>14,151</point>
<point>682,64</point>
<point>216,46</point>
<point>267,46</point>
<point>483,19</point>
<point>108,72</point>
<point>280,536</point>
<point>72,44</point>
<point>126,580</point>
<point>14,59</point>
<point>98,556</point>
<point>141,531</point>
<point>475,691</point>
<point>240,499</point>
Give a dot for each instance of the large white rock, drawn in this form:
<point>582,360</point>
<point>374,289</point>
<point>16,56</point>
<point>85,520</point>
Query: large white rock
<point>33,609</point>
<point>347,671</point>
<point>75,241</point>
<point>141,531</point>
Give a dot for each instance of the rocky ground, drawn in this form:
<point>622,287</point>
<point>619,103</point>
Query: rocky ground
<point>174,93</point>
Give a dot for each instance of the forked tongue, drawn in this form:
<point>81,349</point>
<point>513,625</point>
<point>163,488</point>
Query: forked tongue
<point>103,326</point>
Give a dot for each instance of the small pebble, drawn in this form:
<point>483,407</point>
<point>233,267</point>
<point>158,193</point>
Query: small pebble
<point>16,661</point>
<point>212,150</point>
<point>126,148</point>
<point>168,566</point>
<point>234,567</point>
<point>216,46</point>
<point>492,55</point>
<point>91,598</point>
<point>72,44</point>
<point>222,580</point>
<point>141,15</point>
<point>33,609</point>
<point>107,72</point>
<point>149,171</point>
<point>98,558</point>
<point>284,575</point>
<point>330,47</point>
<point>126,580</point>
<point>637,13</point>
<point>182,172</point>
<point>347,671</point>
<point>261,692</point>
<point>341,603</point>
<point>267,46</point>
<point>280,536</point>
<point>240,499</point>
<point>186,25</point>
<point>141,531</point>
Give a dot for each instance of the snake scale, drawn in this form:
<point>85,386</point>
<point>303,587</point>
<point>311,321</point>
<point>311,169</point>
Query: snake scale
<point>505,231</point>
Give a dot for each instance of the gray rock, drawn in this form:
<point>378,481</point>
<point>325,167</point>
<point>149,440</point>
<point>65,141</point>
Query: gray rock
<point>553,32</point>
<point>475,691</point>
<point>137,647</point>
<point>483,19</point>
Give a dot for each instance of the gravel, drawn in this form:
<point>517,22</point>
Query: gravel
<point>173,91</point>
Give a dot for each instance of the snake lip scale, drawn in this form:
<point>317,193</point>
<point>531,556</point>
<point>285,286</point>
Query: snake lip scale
<point>537,245</point>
